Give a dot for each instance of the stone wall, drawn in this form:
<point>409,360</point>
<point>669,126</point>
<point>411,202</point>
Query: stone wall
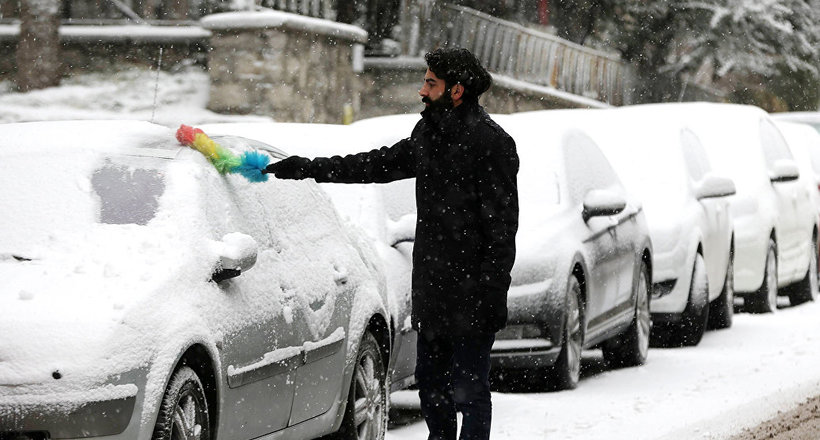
<point>289,67</point>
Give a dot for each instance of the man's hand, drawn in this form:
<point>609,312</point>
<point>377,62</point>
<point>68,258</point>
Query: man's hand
<point>293,167</point>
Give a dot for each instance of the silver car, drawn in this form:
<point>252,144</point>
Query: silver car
<point>583,270</point>
<point>146,296</point>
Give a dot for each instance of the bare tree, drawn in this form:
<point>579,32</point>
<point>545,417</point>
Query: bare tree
<point>38,62</point>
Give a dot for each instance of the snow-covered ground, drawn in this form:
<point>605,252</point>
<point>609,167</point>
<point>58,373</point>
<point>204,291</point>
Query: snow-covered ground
<point>181,98</point>
<point>735,378</point>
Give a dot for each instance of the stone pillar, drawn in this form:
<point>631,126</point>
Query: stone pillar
<point>286,66</point>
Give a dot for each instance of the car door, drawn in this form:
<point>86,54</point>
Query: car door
<point>260,348</point>
<point>792,203</point>
<point>399,203</point>
<point>587,170</point>
<point>328,270</point>
<point>717,225</point>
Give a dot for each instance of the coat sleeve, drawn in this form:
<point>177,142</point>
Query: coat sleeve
<point>497,188</point>
<point>381,165</point>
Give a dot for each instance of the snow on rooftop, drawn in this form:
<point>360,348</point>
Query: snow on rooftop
<point>114,33</point>
<point>277,19</point>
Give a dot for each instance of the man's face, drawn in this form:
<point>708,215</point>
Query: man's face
<point>434,91</point>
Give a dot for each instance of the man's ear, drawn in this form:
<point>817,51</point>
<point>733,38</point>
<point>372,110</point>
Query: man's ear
<point>457,92</point>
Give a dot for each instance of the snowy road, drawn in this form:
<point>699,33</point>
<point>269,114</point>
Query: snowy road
<point>735,378</point>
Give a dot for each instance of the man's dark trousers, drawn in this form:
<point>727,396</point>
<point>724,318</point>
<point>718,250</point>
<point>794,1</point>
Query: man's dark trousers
<point>452,374</point>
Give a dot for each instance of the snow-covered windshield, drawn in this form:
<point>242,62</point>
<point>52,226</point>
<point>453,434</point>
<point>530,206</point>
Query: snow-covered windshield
<point>538,187</point>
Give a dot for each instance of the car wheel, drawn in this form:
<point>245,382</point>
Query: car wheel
<point>806,289</point>
<point>765,299</point>
<point>565,373</point>
<point>365,416</point>
<point>183,414</point>
<point>689,330</point>
<point>632,347</point>
<point>722,309</point>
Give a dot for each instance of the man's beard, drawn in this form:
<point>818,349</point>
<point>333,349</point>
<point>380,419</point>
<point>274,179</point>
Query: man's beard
<point>443,103</point>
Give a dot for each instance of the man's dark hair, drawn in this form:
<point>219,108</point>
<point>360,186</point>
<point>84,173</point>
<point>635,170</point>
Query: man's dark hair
<point>459,66</point>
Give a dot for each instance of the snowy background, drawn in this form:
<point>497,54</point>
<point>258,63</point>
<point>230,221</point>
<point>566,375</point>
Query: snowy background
<point>735,378</point>
<point>180,98</point>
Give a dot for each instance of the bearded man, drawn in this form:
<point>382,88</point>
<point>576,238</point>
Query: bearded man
<point>465,167</point>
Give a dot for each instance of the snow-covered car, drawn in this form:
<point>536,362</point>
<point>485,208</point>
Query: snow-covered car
<point>664,164</point>
<point>775,222</point>
<point>804,143</point>
<point>384,212</point>
<point>145,295</point>
<point>809,118</point>
<point>583,270</point>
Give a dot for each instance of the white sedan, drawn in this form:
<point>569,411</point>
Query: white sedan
<point>775,221</point>
<point>664,163</point>
<point>804,143</point>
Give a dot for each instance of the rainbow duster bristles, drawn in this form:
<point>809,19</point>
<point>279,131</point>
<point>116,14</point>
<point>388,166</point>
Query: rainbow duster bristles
<point>253,162</point>
<point>250,164</point>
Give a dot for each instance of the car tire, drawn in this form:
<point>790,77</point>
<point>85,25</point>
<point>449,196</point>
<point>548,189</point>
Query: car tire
<point>764,300</point>
<point>805,290</point>
<point>722,309</point>
<point>631,347</point>
<point>566,371</point>
<point>183,413</point>
<point>365,416</point>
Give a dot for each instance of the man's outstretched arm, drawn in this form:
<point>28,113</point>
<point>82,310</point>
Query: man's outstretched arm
<point>381,165</point>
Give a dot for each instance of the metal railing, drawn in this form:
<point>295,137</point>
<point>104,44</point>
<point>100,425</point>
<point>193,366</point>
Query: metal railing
<point>539,58</point>
<point>311,8</point>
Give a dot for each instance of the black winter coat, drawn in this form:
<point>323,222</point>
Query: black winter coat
<point>465,167</point>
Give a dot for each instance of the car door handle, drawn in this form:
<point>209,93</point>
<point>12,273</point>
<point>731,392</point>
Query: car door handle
<point>340,276</point>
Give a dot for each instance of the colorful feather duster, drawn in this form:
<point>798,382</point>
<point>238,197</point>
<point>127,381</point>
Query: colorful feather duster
<point>250,164</point>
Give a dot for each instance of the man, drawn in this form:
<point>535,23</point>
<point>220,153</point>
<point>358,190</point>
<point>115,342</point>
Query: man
<point>465,167</point>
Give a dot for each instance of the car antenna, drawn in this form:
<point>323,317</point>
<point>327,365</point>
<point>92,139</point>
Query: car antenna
<point>156,85</point>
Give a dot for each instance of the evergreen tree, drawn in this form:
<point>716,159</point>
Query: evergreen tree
<point>764,40</point>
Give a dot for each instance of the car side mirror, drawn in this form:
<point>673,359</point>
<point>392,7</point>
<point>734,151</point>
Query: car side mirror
<point>403,230</point>
<point>599,202</point>
<point>237,254</point>
<point>712,186</point>
<point>784,170</point>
